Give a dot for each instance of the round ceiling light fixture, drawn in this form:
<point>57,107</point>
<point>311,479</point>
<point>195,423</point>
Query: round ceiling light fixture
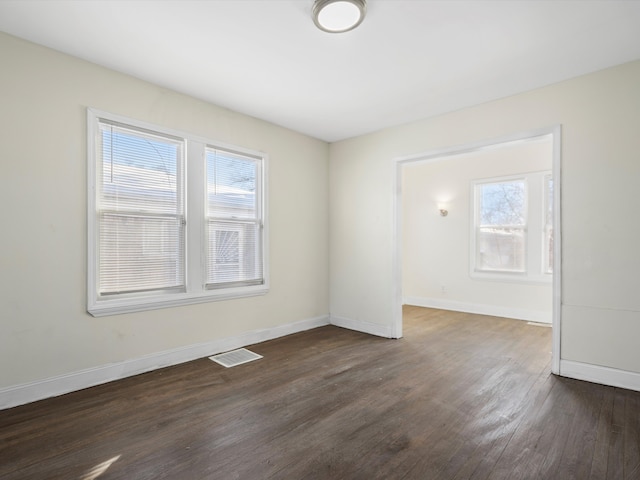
<point>337,16</point>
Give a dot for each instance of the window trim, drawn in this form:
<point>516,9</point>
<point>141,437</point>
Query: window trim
<point>195,243</point>
<point>533,263</point>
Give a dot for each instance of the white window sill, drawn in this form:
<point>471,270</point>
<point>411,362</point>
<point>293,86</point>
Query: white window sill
<point>117,306</point>
<point>512,277</point>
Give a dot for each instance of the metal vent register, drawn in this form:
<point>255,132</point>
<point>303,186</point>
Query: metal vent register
<point>235,357</point>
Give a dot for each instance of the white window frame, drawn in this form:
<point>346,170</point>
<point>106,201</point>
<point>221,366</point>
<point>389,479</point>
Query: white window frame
<point>535,205</point>
<point>195,245</point>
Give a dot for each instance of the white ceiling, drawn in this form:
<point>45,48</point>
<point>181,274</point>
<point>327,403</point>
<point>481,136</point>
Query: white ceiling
<point>410,59</point>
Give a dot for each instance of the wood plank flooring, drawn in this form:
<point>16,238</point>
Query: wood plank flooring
<point>460,397</point>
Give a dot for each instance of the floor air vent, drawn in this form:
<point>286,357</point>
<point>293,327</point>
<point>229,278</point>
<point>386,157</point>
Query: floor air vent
<point>235,357</point>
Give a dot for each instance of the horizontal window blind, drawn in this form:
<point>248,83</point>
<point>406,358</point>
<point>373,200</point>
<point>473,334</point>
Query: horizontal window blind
<point>173,219</point>
<point>141,214</point>
<point>233,219</point>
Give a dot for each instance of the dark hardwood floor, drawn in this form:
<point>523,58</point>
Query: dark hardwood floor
<point>461,396</point>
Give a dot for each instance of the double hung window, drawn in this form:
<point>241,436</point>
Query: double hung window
<point>173,218</point>
<point>233,221</point>
<point>140,215</point>
<point>512,228</point>
<point>501,226</point>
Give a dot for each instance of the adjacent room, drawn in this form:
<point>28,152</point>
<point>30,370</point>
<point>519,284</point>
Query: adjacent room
<point>477,230</point>
<point>418,216</point>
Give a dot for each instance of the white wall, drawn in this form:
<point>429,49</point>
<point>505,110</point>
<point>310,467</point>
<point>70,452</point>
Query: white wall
<point>599,114</point>
<point>436,249</point>
<point>45,330</point>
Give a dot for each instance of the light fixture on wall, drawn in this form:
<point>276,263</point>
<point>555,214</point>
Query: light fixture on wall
<point>337,16</point>
<point>444,209</point>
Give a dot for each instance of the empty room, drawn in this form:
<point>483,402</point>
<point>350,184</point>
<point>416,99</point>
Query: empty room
<point>332,239</point>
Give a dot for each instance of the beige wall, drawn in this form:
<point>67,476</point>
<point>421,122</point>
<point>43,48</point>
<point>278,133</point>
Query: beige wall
<point>45,330</point>
<point>436,250</point>
<point>600,115</point>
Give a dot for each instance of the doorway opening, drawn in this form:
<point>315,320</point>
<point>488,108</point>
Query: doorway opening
<point>485,221</point>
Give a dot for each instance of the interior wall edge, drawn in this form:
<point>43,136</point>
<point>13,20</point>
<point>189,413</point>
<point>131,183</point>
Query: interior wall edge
<point>385,331</point>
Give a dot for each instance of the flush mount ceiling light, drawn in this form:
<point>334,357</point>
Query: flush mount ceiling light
<point>337,16</point>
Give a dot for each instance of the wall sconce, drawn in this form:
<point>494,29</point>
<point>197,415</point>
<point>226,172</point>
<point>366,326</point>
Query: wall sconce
<point>444,209</point>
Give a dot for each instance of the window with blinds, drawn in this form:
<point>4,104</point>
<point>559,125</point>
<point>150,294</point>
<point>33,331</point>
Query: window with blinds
<point>140,210</point>
<point>233,219</point>
<point>173,218</point>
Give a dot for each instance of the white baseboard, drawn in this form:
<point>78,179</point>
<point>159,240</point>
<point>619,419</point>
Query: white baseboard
<point>481,309</point>
<point>61,384</point>
<point>385,331</point>
<point>603,375</point>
